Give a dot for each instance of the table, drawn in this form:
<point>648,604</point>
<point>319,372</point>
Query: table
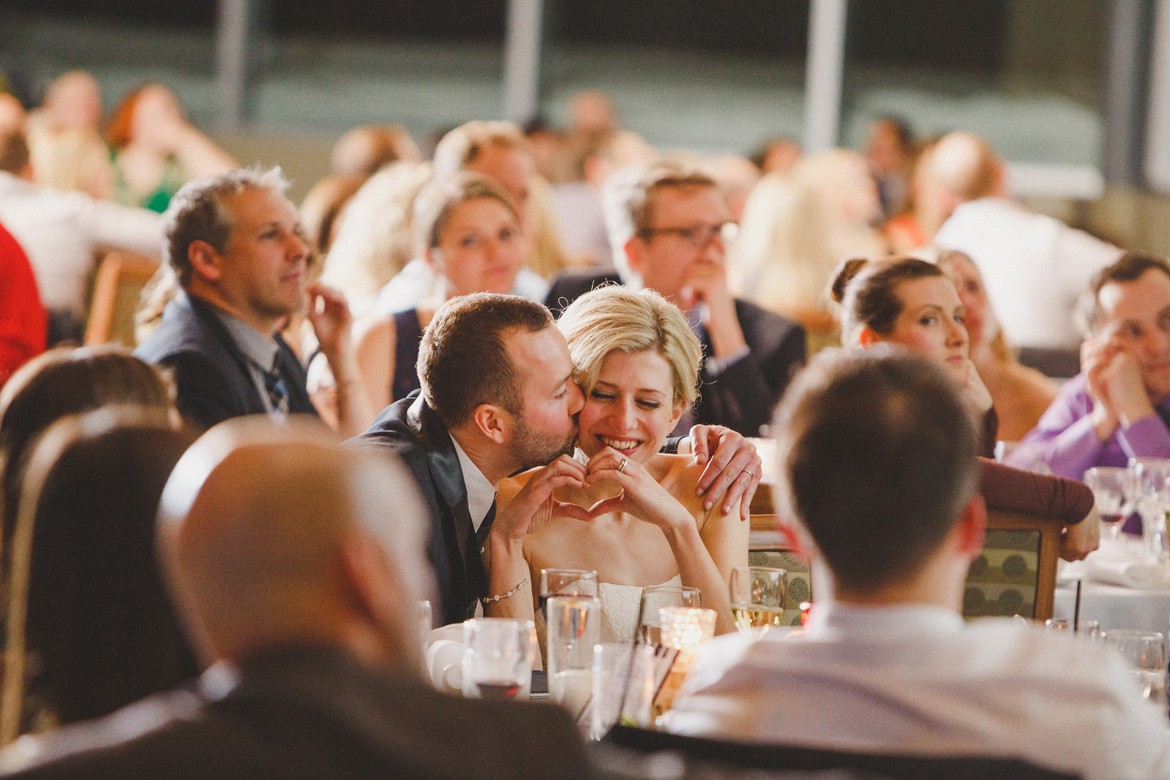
<point>1116,607</point>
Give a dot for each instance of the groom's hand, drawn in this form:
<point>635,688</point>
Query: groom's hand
<point>733,467</point>
<point>534,505</point>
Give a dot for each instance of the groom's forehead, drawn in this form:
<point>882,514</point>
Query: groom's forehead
<point>540,357</point>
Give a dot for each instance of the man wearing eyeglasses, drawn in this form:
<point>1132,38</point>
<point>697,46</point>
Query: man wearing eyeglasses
<point>668,224</point>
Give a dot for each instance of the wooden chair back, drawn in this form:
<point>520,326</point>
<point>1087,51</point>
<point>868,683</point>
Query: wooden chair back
<point>117,290</point>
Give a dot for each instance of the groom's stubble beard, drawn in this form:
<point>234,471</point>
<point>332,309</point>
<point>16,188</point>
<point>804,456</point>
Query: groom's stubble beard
<point>532,448</point>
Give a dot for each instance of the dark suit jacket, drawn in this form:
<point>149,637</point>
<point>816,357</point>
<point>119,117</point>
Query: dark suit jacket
<point>312,713</point>
<point>209,370</point>
<point>743,395</point>
<point>411,430</point>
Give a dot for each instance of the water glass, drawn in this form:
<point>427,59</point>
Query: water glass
<point>1146,653</point>
<point>655,598</point>
<point>497,659</point>
<point>623,686</point>
<point>574,628</point>
<point>757,597</point>
<point>1114,490</point>
<point>425,620</point>
<point>566,582</point>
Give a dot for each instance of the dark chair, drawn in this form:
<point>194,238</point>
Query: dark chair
<point>744,755</point>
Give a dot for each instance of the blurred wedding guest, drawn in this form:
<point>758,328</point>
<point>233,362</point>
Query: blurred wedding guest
<point>156,150</point>
<point>736,176</point>
<point>1035,266</point>
<point>297,567</point>
<point>1020,394</point>
<point>59,383</point>
<point>322,206</point>
<point>885,662</point>
<point>90,625</point>
<point>1118,407</point>
<point>71,159</point>
<point>364,150</point>
<point>62,231</point>
<point>782,259</point>
<point>926,207</point>
<point>24,324</point>
<point>889,150</point>
<point>591,112</point>
<point>374,240</point>
<point>498,151</point>
<point>849,198</point>
<point>667,224</point>
<point>777,154</point>
<point>468,231</point>
<point>12,113</point>
<point>73,100</point>
<point>236,247</point>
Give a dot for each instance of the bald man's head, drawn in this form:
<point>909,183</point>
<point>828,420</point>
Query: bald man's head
<point>966,166</point>
<point>277,536</point>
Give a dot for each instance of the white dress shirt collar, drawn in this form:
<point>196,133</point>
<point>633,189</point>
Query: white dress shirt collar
<point>831,618</point>
<point>481,493</point>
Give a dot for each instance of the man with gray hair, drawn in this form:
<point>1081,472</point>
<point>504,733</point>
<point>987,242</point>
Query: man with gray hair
<point>297,566</point>
<point>668,224</point>
<point>236,245</point>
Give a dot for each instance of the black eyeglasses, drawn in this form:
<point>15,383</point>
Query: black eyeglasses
<point>697,236</point>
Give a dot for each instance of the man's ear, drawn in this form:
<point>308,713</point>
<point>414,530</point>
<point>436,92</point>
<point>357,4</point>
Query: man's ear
<point>633,250</point>
<point>376,596</point>
<point>971,527</point>
<point>493,422</point>
<point>868,337</point>
<point>204,260</point>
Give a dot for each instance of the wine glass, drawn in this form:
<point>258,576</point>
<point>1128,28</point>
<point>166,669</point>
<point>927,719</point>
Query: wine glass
<point>757,596</point>
<point>1152,478</point>
<point>497,661</point>
<point>1146,653</point>
<point>655,598</point>
<point>1114,490</point>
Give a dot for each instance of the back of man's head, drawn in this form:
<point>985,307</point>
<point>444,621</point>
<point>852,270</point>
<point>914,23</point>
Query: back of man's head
<point>273,537</point>
<point>463,359</point>
<point>876,461</point>
<point>966,167</point>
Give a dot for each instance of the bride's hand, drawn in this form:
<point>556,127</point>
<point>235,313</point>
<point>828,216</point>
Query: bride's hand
<point>641,494</point>
<point>534,505</point>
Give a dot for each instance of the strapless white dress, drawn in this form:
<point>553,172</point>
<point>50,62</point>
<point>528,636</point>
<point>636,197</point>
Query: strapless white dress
<point>619,609</point>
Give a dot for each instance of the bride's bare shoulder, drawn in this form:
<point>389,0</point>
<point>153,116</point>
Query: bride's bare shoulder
<point>680,476</point>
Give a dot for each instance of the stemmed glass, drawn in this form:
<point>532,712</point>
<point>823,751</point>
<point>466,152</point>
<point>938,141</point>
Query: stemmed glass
<point>757,596</point>
<point>1146,653</point>
<point>497,662</point>
<point>1115,490</point>
<point>655,598</point>
<point>1152,477</point>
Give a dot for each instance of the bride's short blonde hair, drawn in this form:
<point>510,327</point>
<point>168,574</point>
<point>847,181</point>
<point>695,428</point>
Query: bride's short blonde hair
<point>617,318</point>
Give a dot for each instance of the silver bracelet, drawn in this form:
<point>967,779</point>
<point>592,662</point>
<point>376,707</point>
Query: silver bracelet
<point>493,599</point>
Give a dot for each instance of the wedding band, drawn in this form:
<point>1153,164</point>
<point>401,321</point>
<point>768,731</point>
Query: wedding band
<point>622,465</point>
<point>750,473</point>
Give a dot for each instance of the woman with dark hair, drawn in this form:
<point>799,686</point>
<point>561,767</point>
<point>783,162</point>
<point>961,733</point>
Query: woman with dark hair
<point>61,382</point>
<point>90,625</point>
<point>912,303</point>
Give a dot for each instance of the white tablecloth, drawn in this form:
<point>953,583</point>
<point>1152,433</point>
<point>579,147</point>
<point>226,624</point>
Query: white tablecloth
<point>1116,607</point>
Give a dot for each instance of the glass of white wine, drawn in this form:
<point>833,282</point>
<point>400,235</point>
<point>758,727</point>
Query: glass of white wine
<point>757,596</point>
<point>655,598</point>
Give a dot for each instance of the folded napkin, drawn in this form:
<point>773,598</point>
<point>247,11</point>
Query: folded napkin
<point>1129,574</point>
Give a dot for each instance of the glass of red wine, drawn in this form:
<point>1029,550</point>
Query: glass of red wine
<point>497,659</point>
<point>1115,490</point>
